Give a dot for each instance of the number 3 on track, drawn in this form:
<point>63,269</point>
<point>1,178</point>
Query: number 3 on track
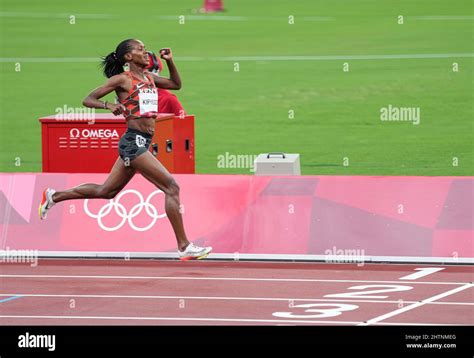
<point>319,308</point>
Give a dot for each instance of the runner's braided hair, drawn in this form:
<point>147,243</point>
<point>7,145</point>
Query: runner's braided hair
<point>113,63</point>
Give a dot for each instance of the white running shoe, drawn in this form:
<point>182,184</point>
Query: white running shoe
<point>46,203</point>
<point>193,252</point>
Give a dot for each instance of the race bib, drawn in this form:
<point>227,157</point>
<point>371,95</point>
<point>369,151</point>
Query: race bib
<point>148,98</point>
<point>140,141</point>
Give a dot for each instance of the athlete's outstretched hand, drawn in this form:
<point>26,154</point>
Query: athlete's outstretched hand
<point>116,109</point>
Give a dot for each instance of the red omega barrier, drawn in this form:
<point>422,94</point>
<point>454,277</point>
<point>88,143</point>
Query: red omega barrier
<point>74,144</point>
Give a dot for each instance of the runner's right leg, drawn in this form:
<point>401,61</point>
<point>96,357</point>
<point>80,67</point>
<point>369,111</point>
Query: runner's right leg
<point>150,167</point>
<point>119,176</point>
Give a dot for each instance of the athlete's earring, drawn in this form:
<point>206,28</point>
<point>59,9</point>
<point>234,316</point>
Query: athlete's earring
<point>126,67</point>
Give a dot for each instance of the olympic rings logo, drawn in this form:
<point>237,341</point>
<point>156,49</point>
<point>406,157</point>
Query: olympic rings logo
<point>122,212</point>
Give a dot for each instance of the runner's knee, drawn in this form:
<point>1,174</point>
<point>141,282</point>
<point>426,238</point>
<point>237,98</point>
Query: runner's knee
<point>172,188</point>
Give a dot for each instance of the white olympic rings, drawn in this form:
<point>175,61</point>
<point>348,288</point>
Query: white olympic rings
<point>122,212</point>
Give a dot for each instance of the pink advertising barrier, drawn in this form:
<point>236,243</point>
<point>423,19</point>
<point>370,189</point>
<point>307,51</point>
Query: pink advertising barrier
<point>309,217</point>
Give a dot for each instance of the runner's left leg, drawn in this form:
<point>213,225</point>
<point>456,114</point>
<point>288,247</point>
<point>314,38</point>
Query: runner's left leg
<point>118,178</point>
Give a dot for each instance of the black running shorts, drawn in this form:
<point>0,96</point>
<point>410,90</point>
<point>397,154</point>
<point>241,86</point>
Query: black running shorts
<point>133,143</point>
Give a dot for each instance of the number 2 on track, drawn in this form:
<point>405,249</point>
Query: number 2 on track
<point>369,294</point>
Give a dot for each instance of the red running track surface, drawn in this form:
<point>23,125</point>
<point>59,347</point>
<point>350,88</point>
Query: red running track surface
<point>152,292</point>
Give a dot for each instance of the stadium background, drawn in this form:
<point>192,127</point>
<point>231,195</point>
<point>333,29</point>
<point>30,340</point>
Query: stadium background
<point>336,113</point>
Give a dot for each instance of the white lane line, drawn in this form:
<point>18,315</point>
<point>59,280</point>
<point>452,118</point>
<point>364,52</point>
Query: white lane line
<point>204,18</point>
<point>197,17</point>
<point>201,17</point>
<point>224,298</point>
<point>449,17</point>
<point>452,303</point>
<point>255,58</point>
<point>48,15</point>
<point>421,324</point>
<point>225,320</point>
<point>241,18</point>
<point>416,305</point>
<point>177,319</point>
<point>49,59</point>
<point>218,279</point>
<point>422,272</point>
<point>315,18</point>
<point>74,59</point>
<point>343,57</point>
